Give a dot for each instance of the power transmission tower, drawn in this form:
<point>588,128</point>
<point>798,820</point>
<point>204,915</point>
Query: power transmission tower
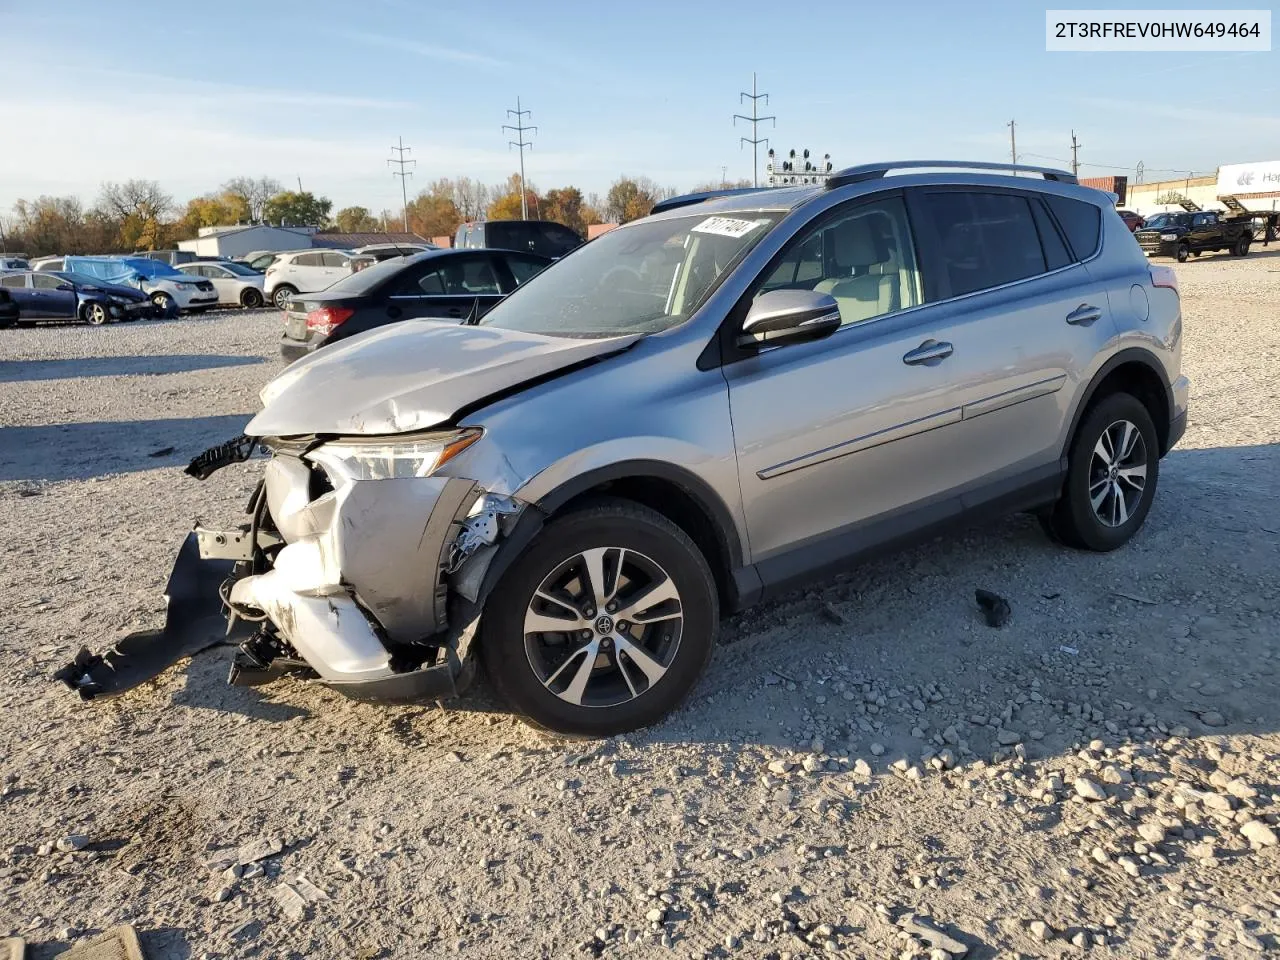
<point>755,120</point>
<point>402,173</point>
<point>1138,172</point>
<point>520,128</point>
<point>1075,162</point>
<point>1013,142</point>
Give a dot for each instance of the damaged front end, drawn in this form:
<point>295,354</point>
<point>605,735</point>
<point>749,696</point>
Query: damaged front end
<point>359,568</point>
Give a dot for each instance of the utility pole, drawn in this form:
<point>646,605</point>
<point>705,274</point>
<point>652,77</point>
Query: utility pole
<point>520,128</point>
<point>401,163</point>
<point>755,120</point>
<point>724,174</point>
<point>1013,142</point>
<point>1075,163</point>
<point>299,183</point>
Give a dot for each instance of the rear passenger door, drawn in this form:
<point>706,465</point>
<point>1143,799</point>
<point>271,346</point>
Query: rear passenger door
<point>447,288</point>
<point>1021,319</point>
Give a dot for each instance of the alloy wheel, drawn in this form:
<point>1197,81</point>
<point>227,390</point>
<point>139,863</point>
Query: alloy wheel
<point>603,627</point>
<point>1117,473</point>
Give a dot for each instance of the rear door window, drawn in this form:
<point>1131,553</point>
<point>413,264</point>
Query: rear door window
<point>1056,254</point>
<point>984,240</point>
<point>13,282</point>
<point>1081,222</point>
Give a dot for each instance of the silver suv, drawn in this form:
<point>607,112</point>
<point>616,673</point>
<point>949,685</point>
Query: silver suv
<point>692,413</point>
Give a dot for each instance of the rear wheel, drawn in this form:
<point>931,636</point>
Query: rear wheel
<point>604,624</point>
<point>94,313</point>
<point>1111,476</point>
<point>251,298</point>
<point>280,297</point>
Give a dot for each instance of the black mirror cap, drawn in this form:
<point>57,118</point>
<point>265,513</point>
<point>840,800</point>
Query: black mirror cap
<point>790,316</point>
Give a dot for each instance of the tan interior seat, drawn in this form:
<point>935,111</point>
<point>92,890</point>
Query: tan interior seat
<point>873,289</point>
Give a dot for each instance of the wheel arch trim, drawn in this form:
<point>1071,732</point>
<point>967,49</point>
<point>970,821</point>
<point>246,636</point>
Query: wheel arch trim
<point>1131,355</point>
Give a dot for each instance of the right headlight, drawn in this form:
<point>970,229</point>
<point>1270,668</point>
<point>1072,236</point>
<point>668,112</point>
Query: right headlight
<point>1168,236</point>
<point>390,458</point>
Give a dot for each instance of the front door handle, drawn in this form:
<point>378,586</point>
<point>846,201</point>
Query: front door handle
<point>930,353</point>
<point>1084,315</point>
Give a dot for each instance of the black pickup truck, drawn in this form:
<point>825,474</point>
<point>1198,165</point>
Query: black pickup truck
<point>1181,235</point>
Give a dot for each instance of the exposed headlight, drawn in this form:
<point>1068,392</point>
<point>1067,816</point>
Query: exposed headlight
<point>390,458</point>
<point>1168,236</point>
<point>185,286</point>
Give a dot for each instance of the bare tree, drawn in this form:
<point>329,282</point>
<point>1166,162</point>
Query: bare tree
<point>254,193</point>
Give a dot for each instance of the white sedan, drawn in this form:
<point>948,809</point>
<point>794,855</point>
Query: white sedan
<point>237,285</point>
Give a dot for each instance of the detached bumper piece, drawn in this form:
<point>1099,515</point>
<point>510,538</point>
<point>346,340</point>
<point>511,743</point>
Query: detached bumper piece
<point>193,622</point>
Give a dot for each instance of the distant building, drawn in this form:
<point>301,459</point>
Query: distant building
<point>349,241</point>
<point>237,241</point>
<point>1162,196</point>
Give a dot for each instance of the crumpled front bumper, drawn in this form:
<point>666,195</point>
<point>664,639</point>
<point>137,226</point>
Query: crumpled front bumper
<point>355,580</point>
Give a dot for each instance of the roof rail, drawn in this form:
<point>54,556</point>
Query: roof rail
<point>686,199</point>
<point>874,171</point>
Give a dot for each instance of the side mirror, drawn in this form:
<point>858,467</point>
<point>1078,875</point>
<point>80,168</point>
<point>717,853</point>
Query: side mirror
<point>65,286</point>
<point>790,316</point>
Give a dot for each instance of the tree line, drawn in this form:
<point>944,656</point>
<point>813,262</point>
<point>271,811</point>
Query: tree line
<point>140,215</point>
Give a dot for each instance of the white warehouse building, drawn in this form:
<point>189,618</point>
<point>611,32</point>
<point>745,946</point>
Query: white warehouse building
<point>235,242</point>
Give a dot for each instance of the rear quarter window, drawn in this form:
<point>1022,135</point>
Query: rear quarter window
<point>1081,222</point>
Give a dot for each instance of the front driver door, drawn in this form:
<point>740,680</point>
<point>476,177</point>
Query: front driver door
<point>836,434</point>
<point>57,297</point>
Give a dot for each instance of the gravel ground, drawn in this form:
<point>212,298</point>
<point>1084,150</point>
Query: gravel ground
<point>867,768</point>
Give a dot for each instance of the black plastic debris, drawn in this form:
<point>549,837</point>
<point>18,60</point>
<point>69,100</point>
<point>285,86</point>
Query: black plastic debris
<point>994,607</point>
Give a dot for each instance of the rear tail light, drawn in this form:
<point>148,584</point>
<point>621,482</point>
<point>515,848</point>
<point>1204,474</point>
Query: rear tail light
<point>1162,276</point>
<point>324,320</point>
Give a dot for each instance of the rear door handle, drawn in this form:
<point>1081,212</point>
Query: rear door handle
<point>1084,315</point>
<point>930,353</point>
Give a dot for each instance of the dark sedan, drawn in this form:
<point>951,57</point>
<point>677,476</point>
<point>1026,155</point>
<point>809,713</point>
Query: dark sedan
<point>438,285</point>
<point>72,296</point>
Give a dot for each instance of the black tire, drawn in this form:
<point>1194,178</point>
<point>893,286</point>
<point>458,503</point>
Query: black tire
<point>1073,519</point>
<point>1183,252</point>
<point>94,314</point>
<point>251,299</point>
<point>26,324</point>
<point>1242,247</point>
<point>164,304</point>
<point>602,523</point>
<point>280,296</point>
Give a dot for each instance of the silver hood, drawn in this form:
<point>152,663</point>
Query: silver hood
<point>411,376</point>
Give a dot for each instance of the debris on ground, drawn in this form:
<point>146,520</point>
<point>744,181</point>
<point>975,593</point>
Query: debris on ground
<point>994,607</point>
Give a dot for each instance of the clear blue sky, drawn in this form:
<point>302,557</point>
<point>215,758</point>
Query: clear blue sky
<point>191,94</point>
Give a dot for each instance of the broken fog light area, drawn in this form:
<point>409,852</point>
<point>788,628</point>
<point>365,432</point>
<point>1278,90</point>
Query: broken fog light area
<point>389,458</point>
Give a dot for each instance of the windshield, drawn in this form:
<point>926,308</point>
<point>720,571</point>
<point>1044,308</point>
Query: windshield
<point>1167,220</point>
<point>81,279</point>
<point>642,278</point>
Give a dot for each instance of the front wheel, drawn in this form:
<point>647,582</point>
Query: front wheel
<point>164,304</point>
<point>95,314</point>
<point>1242,247</point>
<point>1111,476</point>
<point>604,624</point>
<point>1184,251</point>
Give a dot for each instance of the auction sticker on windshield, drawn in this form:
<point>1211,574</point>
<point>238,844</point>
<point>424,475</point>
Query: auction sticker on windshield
<point>728,226</point>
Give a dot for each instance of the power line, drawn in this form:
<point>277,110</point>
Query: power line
<point>402,173</point>
<point>520,128</point>
<point>755,120</point>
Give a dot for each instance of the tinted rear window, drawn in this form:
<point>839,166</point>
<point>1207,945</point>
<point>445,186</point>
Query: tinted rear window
<point>1080,221</point>
<point>1056,254</point>
<point>985,239</point>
